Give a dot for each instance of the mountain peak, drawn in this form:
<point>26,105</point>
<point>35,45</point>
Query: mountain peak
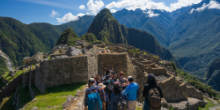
<point>68,37</point>
<point>106,28</point>
<point>105,11</point>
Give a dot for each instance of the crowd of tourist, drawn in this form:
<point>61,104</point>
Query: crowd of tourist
<point>114,91</point>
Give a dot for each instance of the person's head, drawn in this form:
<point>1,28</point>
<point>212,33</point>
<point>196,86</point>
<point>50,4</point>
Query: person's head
<point>116,88</point>
<point>121,73</point>
<point>91,81</point>
<point>101,85</point>
<point>130,79</point>
<point>98,78</point>
<point>107,72</point>
<point>151,80</point>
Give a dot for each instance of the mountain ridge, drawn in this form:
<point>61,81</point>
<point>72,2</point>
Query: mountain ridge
<point>107,29</point>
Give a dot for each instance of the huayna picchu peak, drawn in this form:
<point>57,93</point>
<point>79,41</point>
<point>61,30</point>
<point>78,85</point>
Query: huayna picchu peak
<point>106,28</point>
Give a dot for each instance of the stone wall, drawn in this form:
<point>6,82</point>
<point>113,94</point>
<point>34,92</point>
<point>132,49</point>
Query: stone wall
<point>61,71</point>
<point>118,62</point>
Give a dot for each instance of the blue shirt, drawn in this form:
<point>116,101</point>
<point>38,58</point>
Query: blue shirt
<point>131,91</point>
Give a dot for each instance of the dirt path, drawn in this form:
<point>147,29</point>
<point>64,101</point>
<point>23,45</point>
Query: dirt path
<point>77,102</point>
<point>216,107</point>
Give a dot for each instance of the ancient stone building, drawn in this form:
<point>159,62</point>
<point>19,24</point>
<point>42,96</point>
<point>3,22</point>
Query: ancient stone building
<point>77,69</point>
<point>118,62</point>
<point>61,71</point>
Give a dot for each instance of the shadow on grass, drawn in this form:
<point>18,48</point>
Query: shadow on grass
<point>22,95</point>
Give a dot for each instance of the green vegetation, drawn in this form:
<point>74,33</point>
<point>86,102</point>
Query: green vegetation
<point>11,76</point>
<point>3,66</point>
<point>134,51</point>
<point>68,37</point>
<point>198,84</point>
<point>107,29</point>
<point>208,105</point>
<point>19,40</point>
<point>213,74</point>
<point>90,37</point>
<point>53,99</point>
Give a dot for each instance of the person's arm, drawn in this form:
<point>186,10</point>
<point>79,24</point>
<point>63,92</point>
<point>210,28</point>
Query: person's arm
<point>161,93</point>
<point>145,91</point>
<point>125,92</point>
<point>85,100</point>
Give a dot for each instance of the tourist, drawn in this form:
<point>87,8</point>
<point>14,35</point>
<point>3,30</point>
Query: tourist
<point>152,94</point>
<point>92,100</point>
<point>115,97</point>
<point>131,93</point>
<point>101,91</point>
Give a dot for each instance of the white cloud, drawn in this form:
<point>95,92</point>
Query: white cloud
<point>150,4</point>
<point>183,3</point>
<point>54,14</point>
<point>94,6</point>
<point>152,14</point>
<point>69,17</point>
<point>80,14</point>
<point>113,10</point>
<point>82,7</point>
<point>211,5</point>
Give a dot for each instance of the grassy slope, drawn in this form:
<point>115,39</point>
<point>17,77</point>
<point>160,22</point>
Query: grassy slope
<point>53,99</point>
<point>3,66</point>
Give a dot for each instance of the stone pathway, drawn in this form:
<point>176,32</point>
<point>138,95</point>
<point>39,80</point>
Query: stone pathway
<point>76,103</point>
<point>216,107</point>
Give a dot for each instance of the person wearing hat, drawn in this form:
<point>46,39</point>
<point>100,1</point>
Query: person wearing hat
<point>92,100</point>
<point>131,92</point>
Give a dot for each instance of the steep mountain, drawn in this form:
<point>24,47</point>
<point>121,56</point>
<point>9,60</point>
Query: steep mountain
<point>47,33</point>
<point>156,24</point>
<point>17,40</point>
<point>213,74</point>
<point>196,42</point>
<point>106,28</point>
<point>67,37</point>
<point>191,33</point>
<point>3,66</point>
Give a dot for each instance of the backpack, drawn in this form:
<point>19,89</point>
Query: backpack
<point>94,101</point>
<point>154,99</point>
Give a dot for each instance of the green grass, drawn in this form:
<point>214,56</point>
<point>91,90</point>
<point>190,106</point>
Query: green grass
<point>54,98</point>
<point>3,66</point>
<point>208,105</point>
<point>9,77</point>
<point>138,108</point>
<point>198,84</point>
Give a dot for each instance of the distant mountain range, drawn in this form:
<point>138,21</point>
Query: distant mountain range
<point>191,33</point>
<point>213,75</point>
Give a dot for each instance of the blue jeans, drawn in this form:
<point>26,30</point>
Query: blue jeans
<point>146,105</point>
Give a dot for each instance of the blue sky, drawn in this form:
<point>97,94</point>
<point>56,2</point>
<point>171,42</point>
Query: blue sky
<point>61,11</point>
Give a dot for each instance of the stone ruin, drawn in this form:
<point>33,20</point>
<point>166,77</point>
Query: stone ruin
<point>77,68</point>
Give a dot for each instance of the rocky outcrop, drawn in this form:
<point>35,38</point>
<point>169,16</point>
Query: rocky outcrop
<point>171,90</point>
